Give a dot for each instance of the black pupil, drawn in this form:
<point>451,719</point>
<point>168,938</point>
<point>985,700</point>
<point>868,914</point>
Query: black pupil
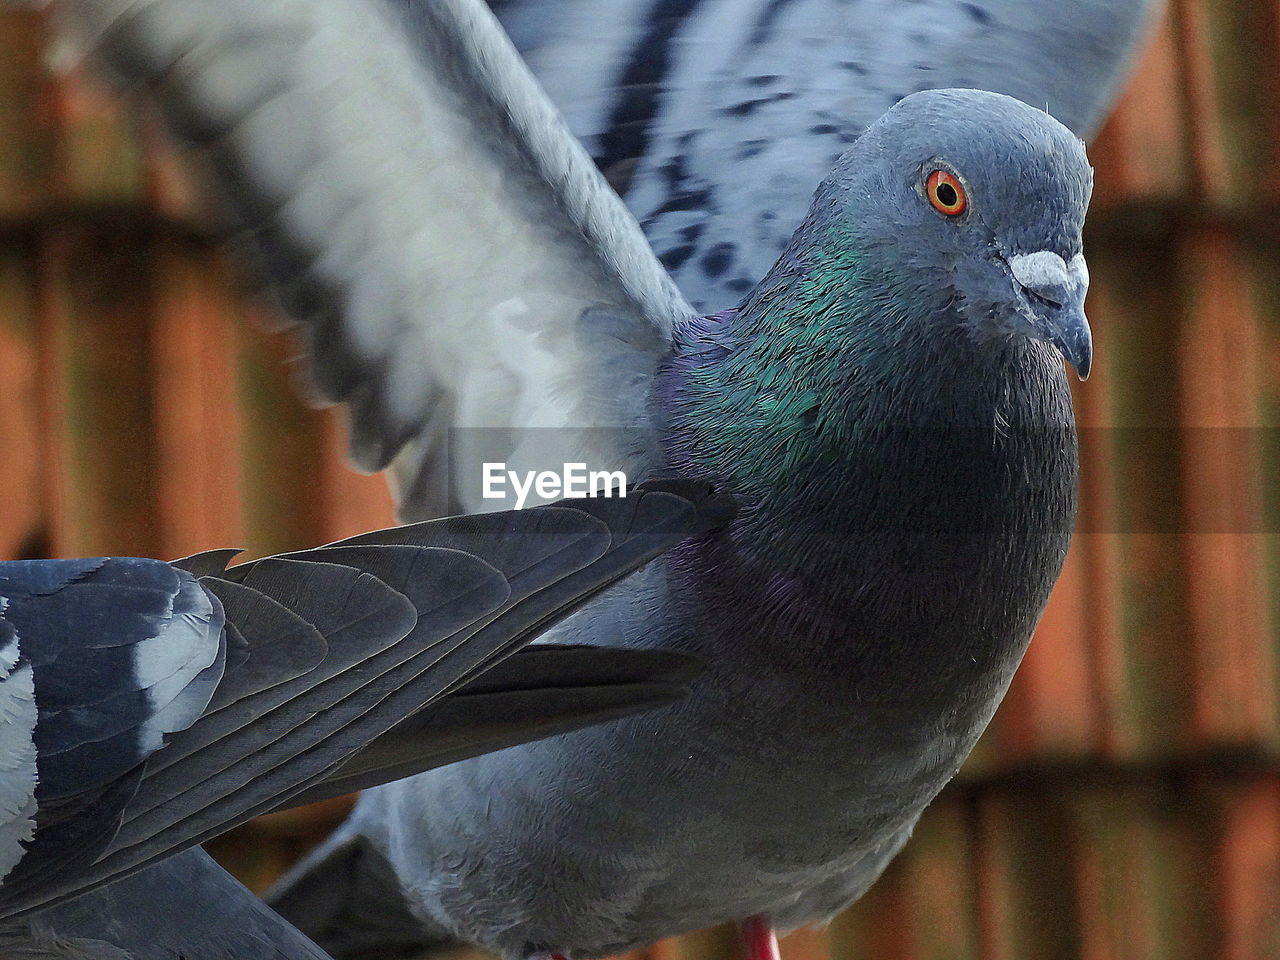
<point>947,195</point>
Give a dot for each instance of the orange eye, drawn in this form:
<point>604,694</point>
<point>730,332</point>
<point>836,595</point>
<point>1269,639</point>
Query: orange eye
<point>946,193</point>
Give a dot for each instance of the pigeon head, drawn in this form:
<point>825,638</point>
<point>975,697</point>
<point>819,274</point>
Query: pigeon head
<point>975,201</point>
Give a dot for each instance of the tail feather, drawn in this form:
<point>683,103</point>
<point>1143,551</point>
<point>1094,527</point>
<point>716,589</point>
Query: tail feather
<point>346,897</point>
<point>186,906</point>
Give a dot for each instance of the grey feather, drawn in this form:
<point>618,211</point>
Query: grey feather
<point>545,688</point>
<point>715,119</point>
<point>348,894</point>
<point>373,235</point>
<point>379,630</point>
<point>193,910</point>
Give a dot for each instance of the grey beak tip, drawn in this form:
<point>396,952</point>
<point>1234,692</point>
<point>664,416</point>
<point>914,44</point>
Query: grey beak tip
<point>1074,341</point>
<point>1055,291</point>
<point>1083,358</point>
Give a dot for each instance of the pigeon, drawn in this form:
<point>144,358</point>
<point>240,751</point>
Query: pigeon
<point>151,705</point>
<point>888,405</point>
<point>713,119</point>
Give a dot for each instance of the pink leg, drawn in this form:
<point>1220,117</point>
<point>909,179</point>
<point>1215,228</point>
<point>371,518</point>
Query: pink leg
<point>759,942</point>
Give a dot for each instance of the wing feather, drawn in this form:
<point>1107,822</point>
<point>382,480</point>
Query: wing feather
<point>715,121</point>
<point>422,211</point>
<point>381,627</point>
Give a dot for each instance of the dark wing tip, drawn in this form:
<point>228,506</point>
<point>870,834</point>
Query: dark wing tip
<point>207,563</point>
<point>714,507</point>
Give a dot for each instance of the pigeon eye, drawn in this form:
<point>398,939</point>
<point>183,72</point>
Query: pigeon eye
<point>946,193</point>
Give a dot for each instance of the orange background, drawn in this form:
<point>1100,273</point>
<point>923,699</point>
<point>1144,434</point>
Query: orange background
<point>1125,803</point>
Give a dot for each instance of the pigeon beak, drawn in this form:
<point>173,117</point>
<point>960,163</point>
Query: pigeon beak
<point>1054,292</point>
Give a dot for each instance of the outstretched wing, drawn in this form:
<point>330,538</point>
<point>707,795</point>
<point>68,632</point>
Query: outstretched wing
<point>128,657</point>
<point>715,119</point>
<point>319,656</point>
<point>452,253</point>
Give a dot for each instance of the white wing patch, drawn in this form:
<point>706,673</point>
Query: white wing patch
<point>167,663</point>
<point>17,755</point>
